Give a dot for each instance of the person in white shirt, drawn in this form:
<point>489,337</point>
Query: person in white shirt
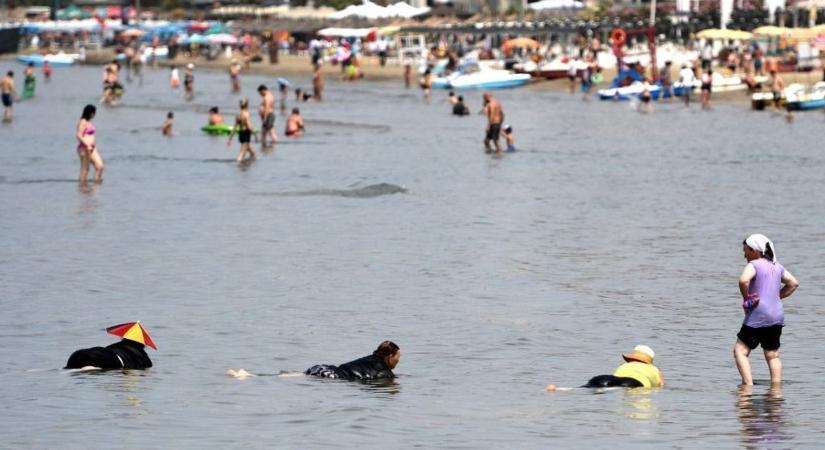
<point>687,78</point>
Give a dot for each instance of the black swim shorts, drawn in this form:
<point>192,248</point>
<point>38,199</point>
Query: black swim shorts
<point>269,122</point>
<point>244,136</point>
<point>768,337</point>
<point>7,100</point>
<point>493,131</point>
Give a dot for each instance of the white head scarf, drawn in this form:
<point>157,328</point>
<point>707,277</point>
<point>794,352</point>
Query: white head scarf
<point>760,242</point>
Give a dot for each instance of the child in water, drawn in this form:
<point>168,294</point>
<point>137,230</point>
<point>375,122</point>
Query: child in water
<point>167,124</point>
<point>174,77</point>
<point>508,136</point>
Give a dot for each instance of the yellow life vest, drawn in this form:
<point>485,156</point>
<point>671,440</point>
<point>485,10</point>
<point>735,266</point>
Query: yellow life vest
<point>647,374</point>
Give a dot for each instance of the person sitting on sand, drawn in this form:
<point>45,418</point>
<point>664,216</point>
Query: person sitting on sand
<point>376,366</point>
<point>637,371</point>
<point>294,124</point>
<point>215,117</point>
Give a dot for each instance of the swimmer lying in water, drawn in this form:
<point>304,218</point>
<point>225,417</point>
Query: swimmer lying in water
<point>126,354</point>
<point>376,366</point>
<point>637,371</point>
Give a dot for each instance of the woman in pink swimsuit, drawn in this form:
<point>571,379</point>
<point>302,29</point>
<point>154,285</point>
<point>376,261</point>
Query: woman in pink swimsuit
<point>86,147</point>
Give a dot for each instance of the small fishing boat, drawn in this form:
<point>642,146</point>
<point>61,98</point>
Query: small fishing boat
<point>801,99</point>
<point>474,76</point>
<point>55,60</point>
<point>631,92</point>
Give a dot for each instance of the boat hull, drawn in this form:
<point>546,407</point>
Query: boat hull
<point>38,60</point>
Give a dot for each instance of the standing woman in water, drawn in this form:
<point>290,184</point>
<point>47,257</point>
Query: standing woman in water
<point>243,126</point>
<point>86,147</point>
<point>764,284</point>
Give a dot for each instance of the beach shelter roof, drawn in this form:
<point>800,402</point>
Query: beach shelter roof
<point>716,33</point>
<point>370,10</point>
<point>545,5</point>
<point>793,33</point>
<point>345,32</point>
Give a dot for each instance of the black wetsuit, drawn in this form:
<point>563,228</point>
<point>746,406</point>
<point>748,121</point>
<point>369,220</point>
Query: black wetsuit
<point>612,381</point>
<point>125,354</point>
<point>367,368</point>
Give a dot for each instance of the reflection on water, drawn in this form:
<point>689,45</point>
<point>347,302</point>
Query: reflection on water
<point>762,417</point>
<point>639,404</point>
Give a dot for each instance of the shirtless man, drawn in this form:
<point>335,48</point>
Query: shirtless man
<point>294,124</point>
<point>234,75</point>
<point>777,86</point>
<point>317,83</point>
<point>7,88</point>
<point>267,113</point>
<point>495,117</point>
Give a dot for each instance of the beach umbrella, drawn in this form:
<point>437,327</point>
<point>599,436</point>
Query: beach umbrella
<point>222,38</point>
<point>133,331</point>
<point>133,32</point>
<point>72,12</point>
<point>716,33</point>
<point>520,43</point>
<point>195,39</point>
<point>218,29</point>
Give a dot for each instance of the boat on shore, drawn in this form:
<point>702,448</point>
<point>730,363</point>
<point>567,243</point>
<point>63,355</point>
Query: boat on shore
<point>630,92</point>
<point>551,70</point>
<point>798,98</point>
<point>55,60</point>
<point>474,76</point>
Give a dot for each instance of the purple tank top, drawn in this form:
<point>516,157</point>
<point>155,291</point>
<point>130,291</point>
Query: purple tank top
<point>766,284</point>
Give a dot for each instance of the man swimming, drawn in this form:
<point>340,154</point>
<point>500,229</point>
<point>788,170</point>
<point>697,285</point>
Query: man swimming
<point>376,366</point>
<point>637,371</point>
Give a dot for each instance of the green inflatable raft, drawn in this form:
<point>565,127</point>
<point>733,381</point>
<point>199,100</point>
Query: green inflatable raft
<point>218,130</point>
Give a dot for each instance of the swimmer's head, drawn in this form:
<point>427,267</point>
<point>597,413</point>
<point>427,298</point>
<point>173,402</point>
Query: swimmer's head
<point>213,110</point>
<point>10,74</point>
<point>170,115</point>
<point>88,112</point>
<point>487,96</point>
<point>190,66</point>
<point>389,352</point>
<point>244,103</point>
<point>451,94</point>
<point>31,64</point>
<point>262,89</point>
<point>508,129</point>
<point>461,98</point>
<point>295,111</point>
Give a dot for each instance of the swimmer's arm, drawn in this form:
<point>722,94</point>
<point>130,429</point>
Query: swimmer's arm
<point>790,285</point>
<point>745,279</point>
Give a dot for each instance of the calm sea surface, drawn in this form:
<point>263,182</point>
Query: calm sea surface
<point>496,276</point>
